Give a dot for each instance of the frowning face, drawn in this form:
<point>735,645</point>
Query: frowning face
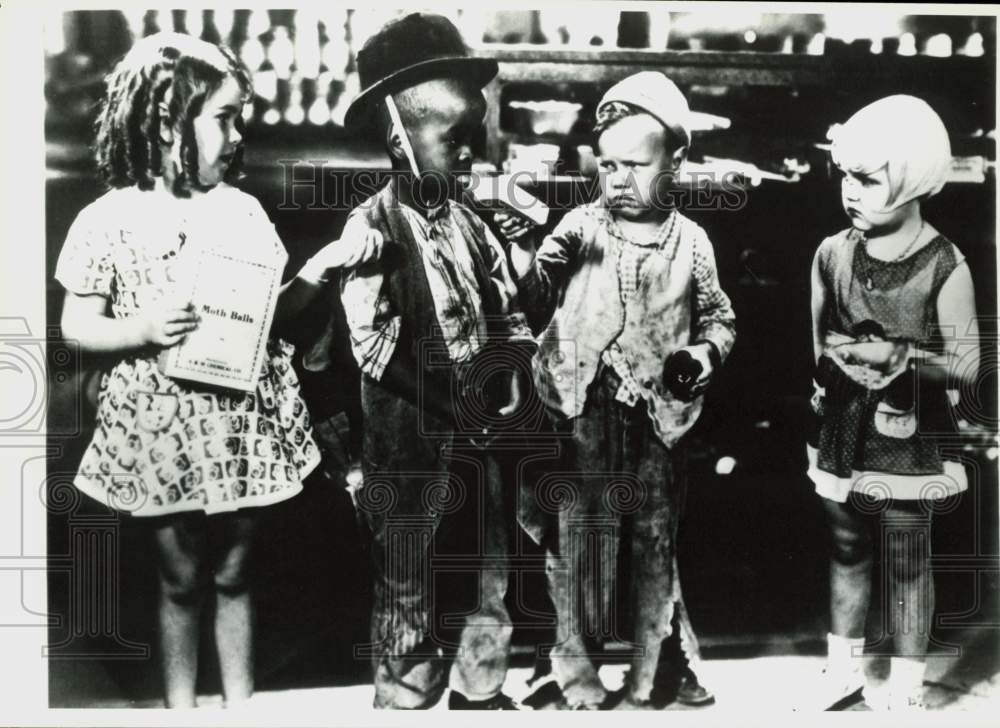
<point>637,167</point>
<point>865,197</point>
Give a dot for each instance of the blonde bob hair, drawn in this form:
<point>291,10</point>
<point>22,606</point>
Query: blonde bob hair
<point>901,134</point>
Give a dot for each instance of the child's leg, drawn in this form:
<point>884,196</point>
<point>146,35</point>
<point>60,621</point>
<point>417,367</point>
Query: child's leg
<point>850,569</point>
<point>180,545</point>
<point>851,557</point>
<point>483,529</point>
<point>233,603</point>
<point>656,590</point>
<point>906,533</point>
<point>571,658</point>
<point>587,541</point>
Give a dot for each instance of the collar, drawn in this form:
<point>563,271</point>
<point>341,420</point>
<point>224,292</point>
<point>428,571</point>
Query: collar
<point>655,242</point>
<point>433,216</point>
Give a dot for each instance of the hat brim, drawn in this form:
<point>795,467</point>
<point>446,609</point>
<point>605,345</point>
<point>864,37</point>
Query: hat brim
<point>359,113</point>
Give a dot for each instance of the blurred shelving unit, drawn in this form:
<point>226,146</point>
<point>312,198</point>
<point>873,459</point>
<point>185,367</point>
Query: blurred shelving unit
<point>794,97</point>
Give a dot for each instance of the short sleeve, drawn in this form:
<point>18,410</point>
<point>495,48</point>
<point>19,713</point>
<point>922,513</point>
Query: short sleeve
<point>374,325</point>
<point>245,208</point>
<point>85,266</point>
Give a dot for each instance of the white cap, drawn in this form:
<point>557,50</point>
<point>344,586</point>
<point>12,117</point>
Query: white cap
<point>658,96</point>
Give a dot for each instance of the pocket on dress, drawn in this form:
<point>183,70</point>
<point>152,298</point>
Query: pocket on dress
<point>896,423</point>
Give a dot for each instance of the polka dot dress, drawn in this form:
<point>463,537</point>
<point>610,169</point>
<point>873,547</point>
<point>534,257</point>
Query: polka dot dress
<point>891,431</point>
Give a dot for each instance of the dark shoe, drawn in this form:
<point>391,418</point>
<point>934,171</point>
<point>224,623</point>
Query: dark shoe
<point>691,693</point>
<point>457,701</point>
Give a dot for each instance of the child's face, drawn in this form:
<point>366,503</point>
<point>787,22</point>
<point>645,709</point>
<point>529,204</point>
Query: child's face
<point>865,196</point>
<point>215,132</point>
<point>637,167</point>
<point>444,120</point>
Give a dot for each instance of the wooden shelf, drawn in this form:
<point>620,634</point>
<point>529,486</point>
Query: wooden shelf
<point>726,68</point>
<point>962,76</point>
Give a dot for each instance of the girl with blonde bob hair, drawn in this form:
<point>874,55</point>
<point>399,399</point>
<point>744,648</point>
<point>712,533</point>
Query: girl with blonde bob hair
<point>894,328</point>
<point>904,136</point>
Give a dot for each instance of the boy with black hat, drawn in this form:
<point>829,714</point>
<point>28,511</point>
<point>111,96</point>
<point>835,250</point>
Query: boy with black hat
<point>431,321</point>
<point>633,325</point>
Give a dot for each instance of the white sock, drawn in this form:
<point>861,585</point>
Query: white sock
<point>906,676</point>
<point>844,653</point>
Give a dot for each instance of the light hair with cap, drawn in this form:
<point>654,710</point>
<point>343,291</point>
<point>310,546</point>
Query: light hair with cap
<point>901,134</point>
<point>614,111</point>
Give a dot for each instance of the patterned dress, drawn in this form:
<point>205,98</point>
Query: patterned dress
<point>884,443</point>
<point>161,445</point>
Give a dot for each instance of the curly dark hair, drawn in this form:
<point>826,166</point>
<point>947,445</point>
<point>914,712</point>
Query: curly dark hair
<point>614,111</point>
<point>129,123</point>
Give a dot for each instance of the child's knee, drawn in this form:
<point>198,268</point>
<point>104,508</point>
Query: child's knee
<point>850,547</point>
<point>907,557</point>
<point>183,583</point>
<point>231,580</point>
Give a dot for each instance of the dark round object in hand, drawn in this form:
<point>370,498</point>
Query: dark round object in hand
<point>869,330</point>
<point>680,373</point>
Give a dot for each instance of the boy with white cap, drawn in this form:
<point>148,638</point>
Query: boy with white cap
<point>633,324</point>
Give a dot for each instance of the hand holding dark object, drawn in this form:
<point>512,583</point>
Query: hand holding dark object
<point>517,229</point>
<point>681,372</point>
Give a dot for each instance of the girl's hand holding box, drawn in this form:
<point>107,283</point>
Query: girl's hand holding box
<point>167,327</point>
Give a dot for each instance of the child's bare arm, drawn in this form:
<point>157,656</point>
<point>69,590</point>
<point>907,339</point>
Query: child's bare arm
<point>818,304</point>
<point>85,321</point>
<point>300,291</point>
<point>542,270</point>
<point>524,234</point>
<point>956,307</point>
<point>516,330</point>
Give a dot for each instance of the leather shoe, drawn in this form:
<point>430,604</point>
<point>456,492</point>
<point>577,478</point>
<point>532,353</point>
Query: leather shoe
<point>457,701</point>
<point>691,692</point>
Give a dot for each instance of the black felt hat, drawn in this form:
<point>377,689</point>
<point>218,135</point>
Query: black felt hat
<point>407,51</point>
